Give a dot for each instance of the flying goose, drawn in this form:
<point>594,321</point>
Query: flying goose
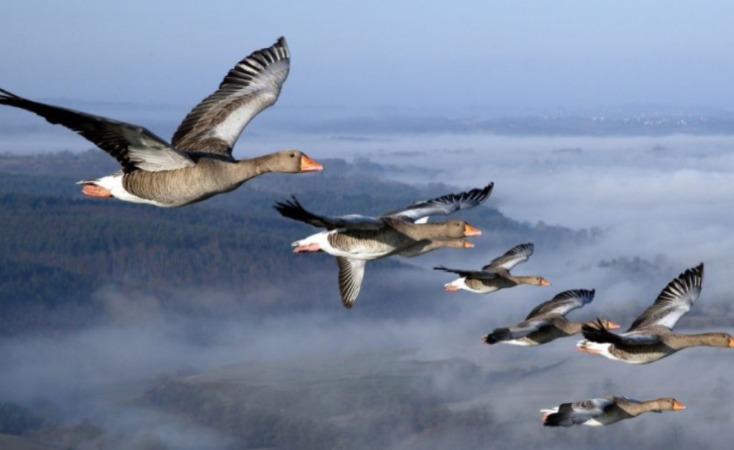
<point>598,412</point>
<point>495,275</point>
<point>355,239</point>
<point>651,335</point>
<point>547,321</point>
<point>198,162</point>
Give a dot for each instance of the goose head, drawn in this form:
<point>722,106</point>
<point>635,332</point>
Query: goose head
<point>294,161</point>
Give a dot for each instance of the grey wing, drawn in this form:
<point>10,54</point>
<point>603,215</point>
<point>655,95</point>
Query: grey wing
<point>577,413</point>
<point>132,146</point>
<point>473,274</point>
<point>351,273</point>
<point>512,257</point>
<point>445,205</point>
<point>673,302</point>
<point>598,333</point>
<point>564,302</point>
<point>293,209</point>
<point>252,85</point>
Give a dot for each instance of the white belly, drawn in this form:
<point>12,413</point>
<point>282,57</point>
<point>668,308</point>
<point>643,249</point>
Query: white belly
<point>322,239</point>
<point>113,183</point>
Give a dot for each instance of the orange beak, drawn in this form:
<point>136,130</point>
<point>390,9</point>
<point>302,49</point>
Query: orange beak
<point>731,341</point>
<point>309,165</point>
<point>613,325</point>
<point>545,282</point>
<point>677,406</point>
<point>468,244</point>
<point>471,231</point>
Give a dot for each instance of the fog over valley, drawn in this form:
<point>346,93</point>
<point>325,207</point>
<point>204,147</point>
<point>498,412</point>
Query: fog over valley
<point>126,336</point>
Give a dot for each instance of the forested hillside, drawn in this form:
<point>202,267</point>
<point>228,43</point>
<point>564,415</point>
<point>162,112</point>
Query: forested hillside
<point>58,248</point>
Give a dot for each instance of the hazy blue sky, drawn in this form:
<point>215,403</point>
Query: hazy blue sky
<point>379,53</point>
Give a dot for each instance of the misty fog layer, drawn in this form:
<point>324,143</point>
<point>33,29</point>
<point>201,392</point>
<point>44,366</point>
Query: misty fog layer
<point>662,205</point>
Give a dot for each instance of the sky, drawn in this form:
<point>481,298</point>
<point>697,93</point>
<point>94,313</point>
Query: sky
<point>652,196</point>
<point>400,54</point>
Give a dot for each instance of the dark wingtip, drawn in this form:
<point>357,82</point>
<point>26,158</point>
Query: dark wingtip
<point>596,332</point>
<point>7,95</point>
<point>287,208</point>
<point>440,268</point>
<point>558,419</point>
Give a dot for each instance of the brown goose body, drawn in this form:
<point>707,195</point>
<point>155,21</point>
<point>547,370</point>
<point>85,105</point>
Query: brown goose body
<point>666,343</point>
<point>604,411</point>
<point>197,163</point>
<point>504,281</point>
<point>208,177</point>
<point>559,327</point>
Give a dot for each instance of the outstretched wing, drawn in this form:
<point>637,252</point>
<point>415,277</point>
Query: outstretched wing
<point>673,302</point>
<point>445,205</point>
<point>292,209</point>
<point>513,257</point>
<point>564,302</point>
<point>518,331</point>
<point>597,332</point>
<point>577,413</point>
<point>473,274</point>
<point>252,85</point>
<point>351,273</point>
<point>132,146</point>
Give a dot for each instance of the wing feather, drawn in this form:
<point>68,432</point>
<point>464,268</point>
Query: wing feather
<point>448,204</point>
<point>675,300</point>
<point>293,209</point>
<point>564,302</point>
<point>512,257</point>
<point>134,147</point>
<point>251,86</point>
<point>351,273</point>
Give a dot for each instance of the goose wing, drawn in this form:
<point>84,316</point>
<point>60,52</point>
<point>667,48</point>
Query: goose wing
<point>596,332</point>
<point>577,413</point>
<point>564,303</point>
<point>673,302</point>
<point>514,256</point>
<point>132,146</point>
<point>445,205</point>
<point>252,85</point>
<point>473,274</point>
<point>351,273</point>
<point>293,209</point>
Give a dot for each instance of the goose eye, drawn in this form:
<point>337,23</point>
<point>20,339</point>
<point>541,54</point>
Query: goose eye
<point>293,155</point>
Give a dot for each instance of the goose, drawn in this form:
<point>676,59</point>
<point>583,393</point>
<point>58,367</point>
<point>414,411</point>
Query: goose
<point>547,321</point>
<point>355,239</point>
<point>198,162</point>
<point>651,336</point>
<point>598,412</point>
<point>495,275</point>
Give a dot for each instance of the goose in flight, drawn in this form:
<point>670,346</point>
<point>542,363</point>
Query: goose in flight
<point>651,335</point>
<point>598,412</point>
<point>495,275</point>
<point>355,239</point>
<point>547,321</point>
<point>198,162</point>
